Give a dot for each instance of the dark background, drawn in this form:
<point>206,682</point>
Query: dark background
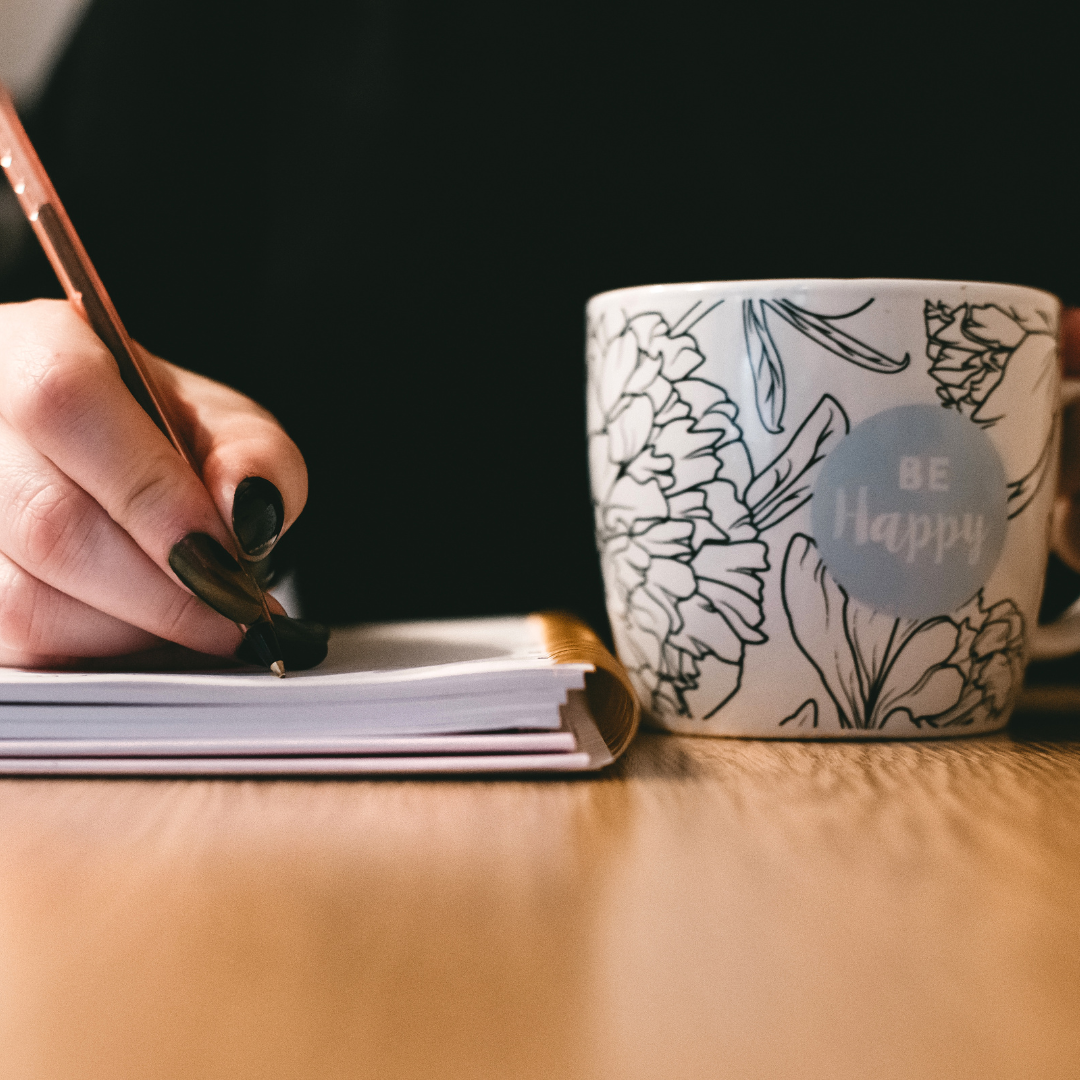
<point>383,219</point>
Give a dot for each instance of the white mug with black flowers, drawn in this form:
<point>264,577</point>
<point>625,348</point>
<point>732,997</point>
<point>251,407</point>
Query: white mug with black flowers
<point>822,506</point>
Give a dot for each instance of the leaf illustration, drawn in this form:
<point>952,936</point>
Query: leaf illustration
<point>940,671</point>
<point>1022,491</point>
<point>806,713</point>
<point>787,483</point>
<point>874,637</point>
<point>815,607</point>
<point>918,678</point>
<point>933,695</point>
<point>770,392</point>
<point>820,328</point>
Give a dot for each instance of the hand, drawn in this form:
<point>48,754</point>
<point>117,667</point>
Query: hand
<point>94,499</point>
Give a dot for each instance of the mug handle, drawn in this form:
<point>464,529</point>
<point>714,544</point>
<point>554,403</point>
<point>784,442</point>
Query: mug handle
<point>1052,641</point>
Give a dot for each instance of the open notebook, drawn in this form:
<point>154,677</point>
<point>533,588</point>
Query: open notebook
<point>535,693</point>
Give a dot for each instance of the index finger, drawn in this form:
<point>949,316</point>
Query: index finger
<point>63,393</point>
<point>254,472</point>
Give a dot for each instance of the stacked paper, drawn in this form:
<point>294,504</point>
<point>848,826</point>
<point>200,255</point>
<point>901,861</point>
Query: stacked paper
<point>471,695</point>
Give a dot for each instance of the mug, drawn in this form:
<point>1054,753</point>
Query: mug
<point>822,506</point>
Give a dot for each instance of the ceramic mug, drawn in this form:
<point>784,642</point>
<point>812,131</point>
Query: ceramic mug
<point>822,506</point>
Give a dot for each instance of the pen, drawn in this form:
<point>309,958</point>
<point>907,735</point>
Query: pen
<point>87,294</point>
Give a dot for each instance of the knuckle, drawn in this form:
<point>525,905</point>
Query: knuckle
<point>20,601</point>
<point>54,528</point>
<point>147,494</point>
<point>53,386</point>
<point>177,615</point>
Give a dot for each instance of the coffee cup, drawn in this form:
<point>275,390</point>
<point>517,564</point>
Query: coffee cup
<point>822,506</point>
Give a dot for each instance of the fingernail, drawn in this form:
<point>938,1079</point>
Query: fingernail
<point>215,577</point>
<point>303,643</point>
<point>257,516</point>
<point>260,644</point>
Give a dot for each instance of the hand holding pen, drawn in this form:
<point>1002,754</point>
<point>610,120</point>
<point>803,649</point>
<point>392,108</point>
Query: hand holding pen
<point>118,472</point>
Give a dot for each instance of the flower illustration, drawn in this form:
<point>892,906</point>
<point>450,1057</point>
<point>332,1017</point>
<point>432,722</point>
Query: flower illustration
<point>879,669</point>
<point>679,511</point>
<point>766,367</point>
<point>976,348</point>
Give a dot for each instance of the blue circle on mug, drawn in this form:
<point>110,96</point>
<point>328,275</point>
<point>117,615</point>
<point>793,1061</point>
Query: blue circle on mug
<point>909,511</point>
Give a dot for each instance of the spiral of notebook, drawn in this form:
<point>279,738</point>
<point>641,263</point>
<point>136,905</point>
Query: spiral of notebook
<point>538,693</point>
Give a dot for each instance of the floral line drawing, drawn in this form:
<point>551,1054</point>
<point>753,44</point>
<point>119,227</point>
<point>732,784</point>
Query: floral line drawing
<point>767,367</point>
<point>877,668</point>
<point>807,711</point>
<point>976,348</point>
<point>1022,491</point>
<point>680,509</point>
<point>770,385</point>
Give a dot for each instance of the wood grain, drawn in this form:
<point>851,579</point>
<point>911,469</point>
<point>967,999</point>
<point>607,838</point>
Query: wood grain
<point>710,908</point>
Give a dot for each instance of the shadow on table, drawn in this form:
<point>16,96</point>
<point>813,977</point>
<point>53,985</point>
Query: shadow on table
<point>1049,706</point>
<point>1032,726</point>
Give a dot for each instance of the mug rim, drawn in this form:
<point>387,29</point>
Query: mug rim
<point>761,283</point>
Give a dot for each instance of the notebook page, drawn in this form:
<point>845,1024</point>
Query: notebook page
<point>388,662</point>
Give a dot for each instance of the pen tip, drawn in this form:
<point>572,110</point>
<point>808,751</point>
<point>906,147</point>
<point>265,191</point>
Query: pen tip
<point>278,668</point>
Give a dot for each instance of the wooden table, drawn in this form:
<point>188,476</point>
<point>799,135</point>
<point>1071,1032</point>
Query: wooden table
<point>710,908</point>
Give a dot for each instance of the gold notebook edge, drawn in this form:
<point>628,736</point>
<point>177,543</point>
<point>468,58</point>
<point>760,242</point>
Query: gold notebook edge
<point>610,696</point>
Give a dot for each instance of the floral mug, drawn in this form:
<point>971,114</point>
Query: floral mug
<point>822,506</point>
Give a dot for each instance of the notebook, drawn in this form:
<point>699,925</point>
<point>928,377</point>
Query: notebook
<point>524,694</point>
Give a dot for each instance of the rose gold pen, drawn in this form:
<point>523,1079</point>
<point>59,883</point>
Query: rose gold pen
<point>87,294</point>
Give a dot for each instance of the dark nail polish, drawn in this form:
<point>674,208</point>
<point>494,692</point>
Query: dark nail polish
<point>303,643</point>
<point>257,516</point>
<point>215,577</point>
<point>264,571</point>
<point>259,645</point>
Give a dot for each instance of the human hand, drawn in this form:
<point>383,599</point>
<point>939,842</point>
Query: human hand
<point>94,500</point>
